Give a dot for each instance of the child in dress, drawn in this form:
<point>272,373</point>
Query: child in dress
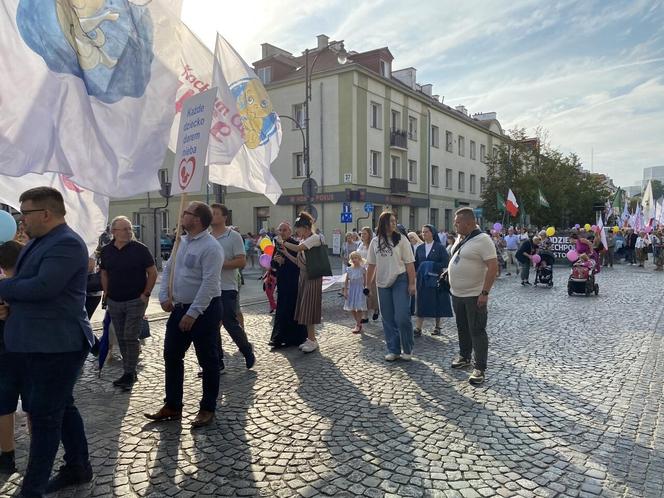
<point>269,285</point>
<point>354,285</point>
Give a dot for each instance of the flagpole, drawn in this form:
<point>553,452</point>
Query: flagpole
<point>176,246</point>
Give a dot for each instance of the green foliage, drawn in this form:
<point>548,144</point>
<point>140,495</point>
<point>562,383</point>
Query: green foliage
<point>657,189</point>
<point>571,192</point>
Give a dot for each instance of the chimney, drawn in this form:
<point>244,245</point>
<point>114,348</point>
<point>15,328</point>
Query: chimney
<point>407,76</point>
<point>436,97</point>
<point>323,41</point>
<point>427,89</point>
<point>484,116</point>
<point>462,109</point>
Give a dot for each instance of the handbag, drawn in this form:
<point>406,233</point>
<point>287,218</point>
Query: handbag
<point>318,262</point>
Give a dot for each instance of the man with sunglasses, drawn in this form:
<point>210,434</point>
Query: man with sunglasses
<point>48,333</point>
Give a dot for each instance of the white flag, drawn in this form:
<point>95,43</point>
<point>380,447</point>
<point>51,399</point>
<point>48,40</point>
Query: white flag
<point>242,94</point>
<point>648,204</point>
<point>87,212</point>
<point>600,225</point>
<point>88,90</point>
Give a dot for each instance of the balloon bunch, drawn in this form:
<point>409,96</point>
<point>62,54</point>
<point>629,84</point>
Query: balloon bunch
<point>7,227</point>
<point>267,247</point>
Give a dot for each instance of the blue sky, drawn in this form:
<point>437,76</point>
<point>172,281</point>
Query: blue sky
<point>590,72</point>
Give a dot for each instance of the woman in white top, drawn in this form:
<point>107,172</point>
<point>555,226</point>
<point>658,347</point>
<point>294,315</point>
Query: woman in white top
<point>310,291</point>
<point>366,234</point>
<point>391,263</point>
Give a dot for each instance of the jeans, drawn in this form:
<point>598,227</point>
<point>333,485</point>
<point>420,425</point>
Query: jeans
<point>47,383</point>
<point>471,326</point>
<point>205,336</point>
<point>127,317</point>
<point>231,324</point>
<point>394,305</point>
<point>630,256</point>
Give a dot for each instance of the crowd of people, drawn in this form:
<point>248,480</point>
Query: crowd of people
<point>50,283</point>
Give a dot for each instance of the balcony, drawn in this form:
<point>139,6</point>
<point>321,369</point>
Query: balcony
<point>399,186</point>
<point>399,139</point>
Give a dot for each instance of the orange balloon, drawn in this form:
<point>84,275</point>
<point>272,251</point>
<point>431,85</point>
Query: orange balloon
<point>269,250</point>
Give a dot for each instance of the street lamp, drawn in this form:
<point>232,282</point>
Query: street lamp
<point>342,58</point>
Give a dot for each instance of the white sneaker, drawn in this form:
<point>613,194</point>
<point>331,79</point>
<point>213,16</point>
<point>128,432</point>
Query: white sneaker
<point>306,341</point>
<point>391,357</point>
<point>310,347</point>
<point>406,356</point>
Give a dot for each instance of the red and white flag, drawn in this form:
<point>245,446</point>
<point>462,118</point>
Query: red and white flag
<point>511,205</point>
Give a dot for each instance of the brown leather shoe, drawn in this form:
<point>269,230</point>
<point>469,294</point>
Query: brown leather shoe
<point>164,414</point>
<point>203,418</point>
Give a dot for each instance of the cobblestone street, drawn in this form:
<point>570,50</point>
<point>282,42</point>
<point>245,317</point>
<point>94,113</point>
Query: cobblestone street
<point>570,407</point>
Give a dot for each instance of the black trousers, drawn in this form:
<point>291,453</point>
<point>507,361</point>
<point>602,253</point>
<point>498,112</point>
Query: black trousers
<point>231,324</point>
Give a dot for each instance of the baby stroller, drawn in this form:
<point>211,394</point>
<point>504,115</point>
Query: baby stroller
<point>582,279</point>
<point>544,270</point>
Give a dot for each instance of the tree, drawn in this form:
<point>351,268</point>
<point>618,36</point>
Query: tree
<point>657,189</point>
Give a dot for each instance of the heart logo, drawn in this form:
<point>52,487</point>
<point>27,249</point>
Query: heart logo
<point>186,171</point>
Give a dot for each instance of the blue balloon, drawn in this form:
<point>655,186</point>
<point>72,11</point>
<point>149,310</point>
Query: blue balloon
<point>7,227</point>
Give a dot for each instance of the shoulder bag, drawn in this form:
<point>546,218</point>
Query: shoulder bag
<point>318,262</point>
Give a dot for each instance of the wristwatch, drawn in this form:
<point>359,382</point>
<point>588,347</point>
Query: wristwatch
<point>485,292</point>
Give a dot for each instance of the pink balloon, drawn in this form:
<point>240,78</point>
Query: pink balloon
<point>572,255</point>
<point>497,226</point>
<point>536,259</point>
<point>265,261</point>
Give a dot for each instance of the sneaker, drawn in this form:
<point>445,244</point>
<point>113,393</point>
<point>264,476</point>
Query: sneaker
<point>310,346</point>
<point>364,320</point>
<point>69,475</point>
<point>250,359</point>
<point>127,381</point>
<point>406,356</point>
<point>391,357</point>
<point>437,331</point>
<point>7,463</point>
<point>417,332</point>
<point>375,316</point>
<point>460,362</point>
<point>477,377</point>
<point>307,341</point>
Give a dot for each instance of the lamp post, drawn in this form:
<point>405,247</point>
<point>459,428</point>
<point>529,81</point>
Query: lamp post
<point>342,58</point>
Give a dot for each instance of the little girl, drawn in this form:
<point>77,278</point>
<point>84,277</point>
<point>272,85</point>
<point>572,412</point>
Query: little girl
<point>354,285</point>
<point>269,285</point>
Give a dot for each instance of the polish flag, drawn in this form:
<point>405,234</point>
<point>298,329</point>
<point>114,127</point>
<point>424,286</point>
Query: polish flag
<point>511,205</point>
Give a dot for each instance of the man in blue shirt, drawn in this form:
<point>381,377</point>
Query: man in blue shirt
<point>195,307</point>
<point>48,334</point>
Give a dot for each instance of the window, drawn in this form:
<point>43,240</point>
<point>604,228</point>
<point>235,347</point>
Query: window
<point>265,74</point>
<point>462,146</point>
<point>435,139</point>
<point>483,153</point>
<point>462,181</point>
<point>482,184</point>
<point>412,171</point>
<point>449,141</point>
<point>298,115</point>
<point>384,68</point>
<point>412,128</point>
<point>376,117</point>
<point>433,216</point>
<point>165,221</point>
<point>448,219</point>
<point>374,163</point>
<point>298,165</point>
<point>473,150</point>
<point>434,176</point>
<point>396,120</point>
<point>396,166</point>
<point>448,178</point>
<point>472,184</point>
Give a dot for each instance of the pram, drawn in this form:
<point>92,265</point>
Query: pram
<point>544,270</point>
<point>582,279</point>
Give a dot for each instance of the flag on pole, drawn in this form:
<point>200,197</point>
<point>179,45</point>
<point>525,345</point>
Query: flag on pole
<point>648,203</point>
<point>511,205</point>
<point>617,201</point>
<point>624,217</point>
<point>243,94</point>
<point>602,232</point>
<point>541,199</point>
<point>87,92</point>
<point>500,202</point>
<point>87,212</point>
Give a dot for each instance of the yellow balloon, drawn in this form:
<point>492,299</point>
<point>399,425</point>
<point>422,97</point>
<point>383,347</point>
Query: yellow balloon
<point>587,227</point>
<point>550,232</point>
<point>616,229</point>
<point>265,241</point>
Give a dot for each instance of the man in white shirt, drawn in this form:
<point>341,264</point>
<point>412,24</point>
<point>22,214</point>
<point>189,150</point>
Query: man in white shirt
<point>472,270</point>
<point>442,236</point>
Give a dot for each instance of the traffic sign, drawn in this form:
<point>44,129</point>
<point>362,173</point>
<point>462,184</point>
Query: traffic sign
<point>368,207</point>
<point>347,208</point>
<point>346,217</point>
<point>309,187</point>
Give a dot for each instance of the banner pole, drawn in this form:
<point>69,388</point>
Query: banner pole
<point>176,246</point>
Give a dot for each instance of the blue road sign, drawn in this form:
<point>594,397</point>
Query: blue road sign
<point>368,207</point>
<point>346,217</point>
<point>347,208</point>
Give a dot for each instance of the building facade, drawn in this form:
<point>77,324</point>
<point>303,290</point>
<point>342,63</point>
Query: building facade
<point>377,139</point>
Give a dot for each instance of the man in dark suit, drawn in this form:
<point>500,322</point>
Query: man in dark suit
<point>48,334</point>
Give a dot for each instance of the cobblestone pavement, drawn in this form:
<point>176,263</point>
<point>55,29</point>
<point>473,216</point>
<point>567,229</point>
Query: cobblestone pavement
<point>571,407</point>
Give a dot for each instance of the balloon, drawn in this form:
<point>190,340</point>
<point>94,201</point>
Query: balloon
<point>536,259</point>
<point>587,227</point>
<point>577,226</point>
<point>7,227</point>
<point>616,229</point>
<point>594,228</point>
<point>265,241</point>
<point>550,232</point>
<point>269,250</point>
<point>497,227</point>
<point>265,260</point>
<point>572,255</point>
